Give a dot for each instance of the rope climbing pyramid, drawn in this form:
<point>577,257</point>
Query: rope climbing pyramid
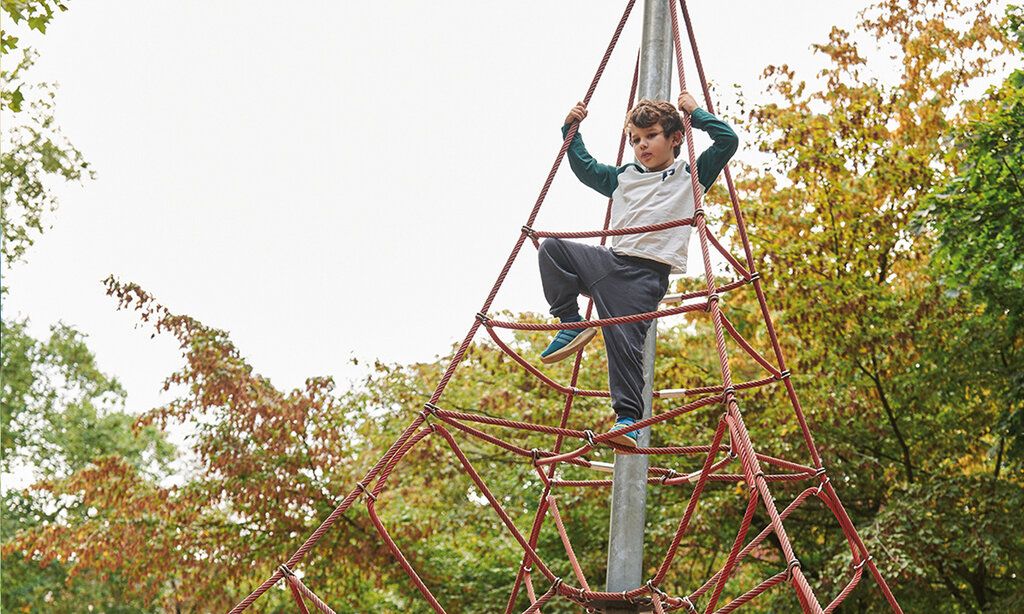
<point>730,445</point>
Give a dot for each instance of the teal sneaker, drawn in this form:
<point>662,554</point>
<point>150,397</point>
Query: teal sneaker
<point>566,343</point>
<point>626,440</point>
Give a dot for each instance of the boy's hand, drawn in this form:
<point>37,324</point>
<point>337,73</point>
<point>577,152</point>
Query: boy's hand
<point>577,113</point>
<point>686,102</point>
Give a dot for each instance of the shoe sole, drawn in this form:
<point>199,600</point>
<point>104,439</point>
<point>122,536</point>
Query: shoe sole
<point>576,344</point>
<point>624,440</point>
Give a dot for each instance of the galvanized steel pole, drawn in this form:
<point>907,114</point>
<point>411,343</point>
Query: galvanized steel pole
<point>629,482</point>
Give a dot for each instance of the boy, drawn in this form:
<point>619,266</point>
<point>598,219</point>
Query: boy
<point>632,276</point>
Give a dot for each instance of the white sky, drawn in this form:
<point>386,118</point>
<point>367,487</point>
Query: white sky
<point>329,180</point>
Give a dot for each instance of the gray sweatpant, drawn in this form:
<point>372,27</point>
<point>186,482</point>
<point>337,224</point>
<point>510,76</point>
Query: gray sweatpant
<point>620,286</point>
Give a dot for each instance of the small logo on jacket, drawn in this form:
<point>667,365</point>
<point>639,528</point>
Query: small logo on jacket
<point>666,174</point>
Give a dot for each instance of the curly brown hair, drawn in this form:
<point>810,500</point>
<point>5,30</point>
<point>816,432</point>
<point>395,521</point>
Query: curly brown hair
<point>646,113</point>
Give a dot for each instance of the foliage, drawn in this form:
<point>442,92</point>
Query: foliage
<point>60,411</point>
<point>33,150</point>
<point>978,216</point>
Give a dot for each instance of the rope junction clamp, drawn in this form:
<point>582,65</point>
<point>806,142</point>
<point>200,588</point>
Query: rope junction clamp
<point>863,562</point>
<point>821,487</point>
<point>369,495</point>
<point>672,473</point>
<point>428,410</point>
<point>655,590</point>
<point>699,213</point>
<point>795,563</point>
<point>589,436</point>
<point>756,275</point>
<point>283,568</point>
<point>482,317</point>
<point>713,297</point>
<point>689,605</point>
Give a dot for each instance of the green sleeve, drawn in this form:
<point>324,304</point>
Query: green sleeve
<point>601,177</point>
<point>714,158</point>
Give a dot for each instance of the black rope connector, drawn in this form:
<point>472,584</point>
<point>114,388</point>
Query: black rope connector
<point>428,410</point>
<point>482,317</point>
<point>821,486</point>
<point>784,375</point>
<point>794,564</point>
<point>863,562</point>
<point>574,391</point>
<point>820,471</point>
<point>713,297</point>
<point>528,569</point>
<point>699,213</point>
<point>529,232</point>
<point>689,605</point>
<point>626,597</point>
<point>556,584</point>
<point>581,596</point>
<point>589,436</point>
<point>729,390</point>
<point>366,491</point>
<point>670,474</point>
<point>655,590</point>
<point>283,568</point>
<point>756,275</point>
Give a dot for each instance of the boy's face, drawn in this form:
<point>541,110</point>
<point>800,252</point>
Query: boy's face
<point>652,148</point>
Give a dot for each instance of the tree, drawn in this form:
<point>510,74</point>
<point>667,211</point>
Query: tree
<point>59,413</point>
<point>33,150</point>
<point>878,345</point>
<point>978,216</point>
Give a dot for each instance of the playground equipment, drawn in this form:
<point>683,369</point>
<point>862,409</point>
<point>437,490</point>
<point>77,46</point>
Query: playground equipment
<point>757,470</point>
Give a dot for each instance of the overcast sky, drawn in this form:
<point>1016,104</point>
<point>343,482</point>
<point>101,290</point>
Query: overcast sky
<point>337,180</point>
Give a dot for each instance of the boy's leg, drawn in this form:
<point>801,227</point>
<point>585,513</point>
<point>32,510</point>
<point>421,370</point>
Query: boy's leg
<point>634,288</point>
<point>568,269</point>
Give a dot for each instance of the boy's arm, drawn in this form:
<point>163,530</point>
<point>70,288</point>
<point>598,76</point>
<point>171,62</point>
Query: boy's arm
<point>714,158</point>
<point>601,177</point>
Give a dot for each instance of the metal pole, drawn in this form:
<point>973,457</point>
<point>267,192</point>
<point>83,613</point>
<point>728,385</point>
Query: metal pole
<point>629,482</point>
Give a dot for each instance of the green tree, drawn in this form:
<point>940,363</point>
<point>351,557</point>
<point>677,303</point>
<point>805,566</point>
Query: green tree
<point>33,150</point>
<point>881,351</point>
<point>979,219</point>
